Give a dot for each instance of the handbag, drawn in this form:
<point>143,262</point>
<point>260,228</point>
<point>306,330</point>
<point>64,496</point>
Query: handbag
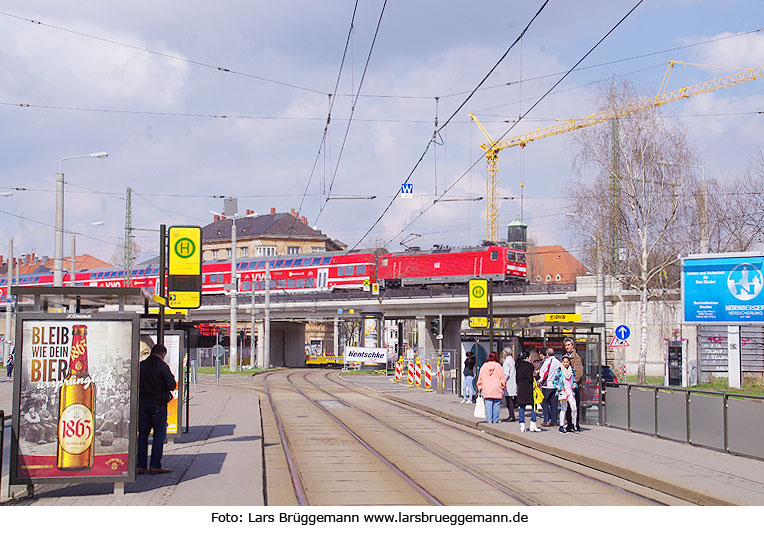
<point>538,395</point>
<point>479,407</point>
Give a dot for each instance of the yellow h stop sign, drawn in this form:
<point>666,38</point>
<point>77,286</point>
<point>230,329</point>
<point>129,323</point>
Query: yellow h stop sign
<point>184,273</point>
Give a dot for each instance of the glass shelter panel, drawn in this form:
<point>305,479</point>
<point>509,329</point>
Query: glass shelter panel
<point>643,410</point>
<point>745,427</point>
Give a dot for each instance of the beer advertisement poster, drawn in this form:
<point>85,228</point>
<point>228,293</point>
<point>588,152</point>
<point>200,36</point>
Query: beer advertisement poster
<point>74,401</point>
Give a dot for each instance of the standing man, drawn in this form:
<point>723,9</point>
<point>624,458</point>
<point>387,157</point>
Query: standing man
<point>468,377</point>
<point>155,386</point>
<point>549,406</point>
<point>578,367</point>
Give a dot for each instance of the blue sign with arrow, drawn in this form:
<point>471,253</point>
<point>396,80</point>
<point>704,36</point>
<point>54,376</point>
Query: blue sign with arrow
<point>622,332</point>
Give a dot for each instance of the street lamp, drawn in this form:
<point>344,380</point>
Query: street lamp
<point>73,269</point>
<point>58,257</point>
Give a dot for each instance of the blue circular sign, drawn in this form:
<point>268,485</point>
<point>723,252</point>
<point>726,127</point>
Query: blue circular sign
<point>622,332</point>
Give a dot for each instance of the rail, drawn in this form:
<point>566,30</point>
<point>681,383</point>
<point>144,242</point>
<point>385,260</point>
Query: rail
<point>724,421</point>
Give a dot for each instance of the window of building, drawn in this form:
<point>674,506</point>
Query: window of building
<point>549,278</point>
<point>228,253</point>
<point>316,250</point>
<point>558,277</point>
<point>214,254</point>
<point>293,250</point>
<point>243,252</point>
<point>265,251</point>
<point>538,278</point>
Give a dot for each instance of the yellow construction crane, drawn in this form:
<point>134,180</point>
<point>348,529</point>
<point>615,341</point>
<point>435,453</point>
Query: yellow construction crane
<point>492,148</point>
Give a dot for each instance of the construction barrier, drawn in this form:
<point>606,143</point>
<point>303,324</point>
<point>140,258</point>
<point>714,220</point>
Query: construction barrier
<point>398,371</point>
<point>427,377</point>
<point>418,375</point>
<point>410,381</point>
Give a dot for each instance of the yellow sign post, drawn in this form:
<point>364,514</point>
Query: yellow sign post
<point>184,273</point>
<point>478,303</point>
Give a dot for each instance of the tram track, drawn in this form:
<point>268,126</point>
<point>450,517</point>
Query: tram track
<point>463,469</point>
<point>506,447</point>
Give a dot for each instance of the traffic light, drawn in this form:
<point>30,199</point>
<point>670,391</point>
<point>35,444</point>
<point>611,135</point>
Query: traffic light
<point>435,327</point>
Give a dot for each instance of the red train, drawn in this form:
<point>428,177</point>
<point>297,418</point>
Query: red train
<point>327,271</point>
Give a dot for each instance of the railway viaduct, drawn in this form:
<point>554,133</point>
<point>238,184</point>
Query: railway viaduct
<point>289,313</point>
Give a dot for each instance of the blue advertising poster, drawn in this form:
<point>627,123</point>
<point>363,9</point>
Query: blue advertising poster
<point>725,290</point>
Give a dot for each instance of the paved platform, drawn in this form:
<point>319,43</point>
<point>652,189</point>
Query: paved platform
<point>218,462</point>
<point>696,474</point>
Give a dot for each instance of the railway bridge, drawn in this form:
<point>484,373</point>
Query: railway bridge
<point>290,313</point>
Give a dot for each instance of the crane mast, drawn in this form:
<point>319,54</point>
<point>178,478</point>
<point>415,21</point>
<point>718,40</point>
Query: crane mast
<point>492,148</point>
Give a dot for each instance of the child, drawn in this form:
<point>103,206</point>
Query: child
<point>565,382</point>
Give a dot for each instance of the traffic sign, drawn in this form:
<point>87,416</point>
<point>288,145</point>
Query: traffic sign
<point>622,332</point>
<point>375,289</point>
<point>407,190</point>
<point>616,343</point>
<point>184,270</point>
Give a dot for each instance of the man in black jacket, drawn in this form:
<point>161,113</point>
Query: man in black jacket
<point>155,386</point>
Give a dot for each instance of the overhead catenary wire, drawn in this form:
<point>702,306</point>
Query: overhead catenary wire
<point>163,54</point>
<point>541,98</point>
<point>352,111</point>
<point>427,147</point>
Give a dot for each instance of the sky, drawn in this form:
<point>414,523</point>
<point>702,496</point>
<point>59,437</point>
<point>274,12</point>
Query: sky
<point>197,101</point>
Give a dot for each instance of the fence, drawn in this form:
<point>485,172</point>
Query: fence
<point>729,422</point>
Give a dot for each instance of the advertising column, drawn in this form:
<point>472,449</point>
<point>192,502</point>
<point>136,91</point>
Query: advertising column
<point>74,398</point>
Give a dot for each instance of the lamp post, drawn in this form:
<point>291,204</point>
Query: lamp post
<point>58,257</point>
<point>230,211</point>
<point>73,268</point>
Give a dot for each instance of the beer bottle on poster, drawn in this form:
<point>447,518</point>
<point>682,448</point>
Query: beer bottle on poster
<point>76,408</point>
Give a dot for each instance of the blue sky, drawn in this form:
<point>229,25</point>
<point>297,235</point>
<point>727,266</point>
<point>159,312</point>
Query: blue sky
<point>156,113</point>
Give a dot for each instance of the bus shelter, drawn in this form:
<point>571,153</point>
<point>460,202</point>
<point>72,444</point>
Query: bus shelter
<point>541,334</point>
<point>75,386</point>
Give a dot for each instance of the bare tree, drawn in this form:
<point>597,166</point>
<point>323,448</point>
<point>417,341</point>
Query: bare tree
<point>639,211</point>
<point>736,209</point>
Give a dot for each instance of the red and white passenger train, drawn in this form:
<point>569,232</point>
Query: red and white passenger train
<point>327,271</point>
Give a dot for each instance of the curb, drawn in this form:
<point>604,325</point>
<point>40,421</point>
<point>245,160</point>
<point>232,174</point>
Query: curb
<point>648,481</point>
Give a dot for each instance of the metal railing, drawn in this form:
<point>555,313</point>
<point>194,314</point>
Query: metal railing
<point>729,422</point>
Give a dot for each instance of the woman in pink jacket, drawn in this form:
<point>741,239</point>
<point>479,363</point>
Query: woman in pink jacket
<point>491,383</point>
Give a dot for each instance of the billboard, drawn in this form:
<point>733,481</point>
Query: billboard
<point>74,398</point>
<point>174,342</point>
<point>723,289</point>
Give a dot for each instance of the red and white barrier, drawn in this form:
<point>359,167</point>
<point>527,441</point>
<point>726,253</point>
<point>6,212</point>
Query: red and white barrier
<point>398,371</point>
<point>410,381</point>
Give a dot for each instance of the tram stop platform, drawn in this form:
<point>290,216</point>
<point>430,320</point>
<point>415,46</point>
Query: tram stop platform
<point>215,463</point>
<point>220,461</point>
<point>699,475</point>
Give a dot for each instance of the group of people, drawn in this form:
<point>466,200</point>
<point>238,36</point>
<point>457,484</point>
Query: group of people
<point>514,381</point>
